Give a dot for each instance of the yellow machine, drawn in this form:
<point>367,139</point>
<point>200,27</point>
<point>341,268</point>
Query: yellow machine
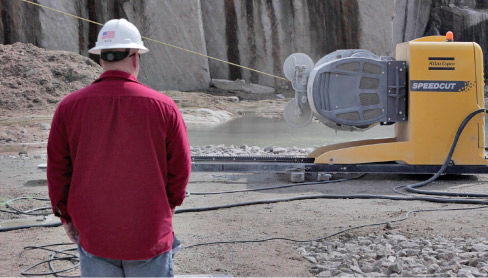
<point>426,91</point>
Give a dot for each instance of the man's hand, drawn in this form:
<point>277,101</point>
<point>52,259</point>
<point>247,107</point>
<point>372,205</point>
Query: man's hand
<point>71,231</point>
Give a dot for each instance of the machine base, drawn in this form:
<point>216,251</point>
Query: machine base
<point>289,164</point>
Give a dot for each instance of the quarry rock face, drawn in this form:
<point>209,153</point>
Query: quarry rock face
<point>13,26</point>
<point>178,23</point>
<point>261,34</point>
<point>173,22</point>
<point>257,34</point>
<point>385,23</point>
<point>467,19</point>
<point>410,20</point>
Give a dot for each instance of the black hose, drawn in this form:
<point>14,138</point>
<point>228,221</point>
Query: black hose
<point>333,234</point>
<point>276,187</point>
<point>29,212</point>
<point>6,229</point>
<point>334,196</point>
<point>412,187</point>
<point>15,210</point>
<point>9,211</point>
<point>73,258</point>
<point>360,196</point>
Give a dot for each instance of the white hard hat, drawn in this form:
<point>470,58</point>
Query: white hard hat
<point>118,33</point>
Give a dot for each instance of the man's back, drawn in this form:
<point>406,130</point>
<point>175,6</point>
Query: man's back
<point>127,146</point>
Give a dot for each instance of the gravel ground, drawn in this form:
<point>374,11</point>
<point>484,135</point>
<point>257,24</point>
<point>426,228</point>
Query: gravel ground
<point>436,243</point>
<point>245,150</point>
<point>393,254</point>
<point>389,254</point>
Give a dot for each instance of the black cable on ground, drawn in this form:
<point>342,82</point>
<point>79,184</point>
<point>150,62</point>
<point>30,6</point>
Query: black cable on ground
<point>31,211</point>
<point>331,196</point>
<point>9,211</point>
<point>333,234</point>
<point>412,187</point>
<point>6,229</point>
<point>276,187</point>
<point>72,258</point>
<point>396,189</point>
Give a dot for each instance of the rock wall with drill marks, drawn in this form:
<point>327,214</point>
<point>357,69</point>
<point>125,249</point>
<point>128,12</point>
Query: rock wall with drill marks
<point>467,24</point>
<point>264,33</point>
<point>172,21</point>
<point>19,22</point>
<point>259,34</point>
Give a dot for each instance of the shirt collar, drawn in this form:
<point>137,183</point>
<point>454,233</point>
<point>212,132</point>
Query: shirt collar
<point>116,74</point>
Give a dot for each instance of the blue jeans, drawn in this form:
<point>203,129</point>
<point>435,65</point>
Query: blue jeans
<point>93,266</point>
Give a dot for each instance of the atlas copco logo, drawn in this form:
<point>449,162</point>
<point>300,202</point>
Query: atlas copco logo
<point>440,86</point>
<point>442,63</point>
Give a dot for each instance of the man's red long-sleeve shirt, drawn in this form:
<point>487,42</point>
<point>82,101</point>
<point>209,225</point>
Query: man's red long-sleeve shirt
<point>118,162</point>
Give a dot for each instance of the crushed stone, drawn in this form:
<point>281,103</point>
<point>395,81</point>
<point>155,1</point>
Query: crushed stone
<point>393,254</point>
<point>34,80</point>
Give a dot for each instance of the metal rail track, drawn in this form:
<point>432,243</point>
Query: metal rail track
<point>307,165</point>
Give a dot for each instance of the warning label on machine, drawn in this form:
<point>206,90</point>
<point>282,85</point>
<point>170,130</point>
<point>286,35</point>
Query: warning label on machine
<point>440,86</point>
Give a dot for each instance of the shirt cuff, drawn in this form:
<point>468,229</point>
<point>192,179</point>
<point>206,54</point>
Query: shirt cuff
<point>62,212</point>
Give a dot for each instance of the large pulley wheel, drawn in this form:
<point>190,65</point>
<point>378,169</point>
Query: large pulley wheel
<point>296,68</point>
<point>295,115</point>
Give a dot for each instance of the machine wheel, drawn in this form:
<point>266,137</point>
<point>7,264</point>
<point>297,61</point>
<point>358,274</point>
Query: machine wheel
<point>297,116</point>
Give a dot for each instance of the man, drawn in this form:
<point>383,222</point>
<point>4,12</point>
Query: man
<point>118,164</point>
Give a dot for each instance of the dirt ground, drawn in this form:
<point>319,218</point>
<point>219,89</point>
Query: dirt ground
<point>301,220</point>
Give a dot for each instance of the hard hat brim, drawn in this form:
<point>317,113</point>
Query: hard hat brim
<point>97,49</point>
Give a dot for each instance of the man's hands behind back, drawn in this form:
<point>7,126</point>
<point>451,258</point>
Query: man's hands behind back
<point>71,231</point>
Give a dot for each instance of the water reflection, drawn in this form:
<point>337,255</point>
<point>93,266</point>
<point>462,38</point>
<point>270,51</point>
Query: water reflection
<point>258,131</point>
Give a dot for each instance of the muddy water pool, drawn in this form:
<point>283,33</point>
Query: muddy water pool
<point>259,131</point>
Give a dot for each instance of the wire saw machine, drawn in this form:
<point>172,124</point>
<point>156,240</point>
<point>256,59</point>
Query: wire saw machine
<point>427,91</point>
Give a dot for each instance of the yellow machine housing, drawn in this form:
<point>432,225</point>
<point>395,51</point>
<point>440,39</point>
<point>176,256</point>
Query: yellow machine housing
<point>445,84</point>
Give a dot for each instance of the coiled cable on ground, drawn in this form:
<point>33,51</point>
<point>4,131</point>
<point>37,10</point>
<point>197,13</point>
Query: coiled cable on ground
<point>73,258</point>
<point>34,211</point>
<point>38,211</point>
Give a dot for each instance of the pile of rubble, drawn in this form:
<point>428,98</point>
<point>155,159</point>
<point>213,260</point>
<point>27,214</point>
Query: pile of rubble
<point>393,254</point>
<point>34,80</point>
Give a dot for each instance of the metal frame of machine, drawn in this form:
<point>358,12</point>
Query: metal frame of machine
<point>445,85</point>
<point>427,91</point>
<point>215,165</point>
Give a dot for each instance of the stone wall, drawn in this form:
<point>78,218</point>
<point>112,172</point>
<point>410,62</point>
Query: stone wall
<point>467,19</point>
<point>178,23</point>
<point>19,22</point>
<point>259,34</point>
<point>171,21</point>
<point>385,23</point>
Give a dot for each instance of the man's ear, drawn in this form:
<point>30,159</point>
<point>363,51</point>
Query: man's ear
<point>134,60</point>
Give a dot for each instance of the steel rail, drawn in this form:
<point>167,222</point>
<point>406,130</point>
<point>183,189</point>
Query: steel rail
<point>287,164</point>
